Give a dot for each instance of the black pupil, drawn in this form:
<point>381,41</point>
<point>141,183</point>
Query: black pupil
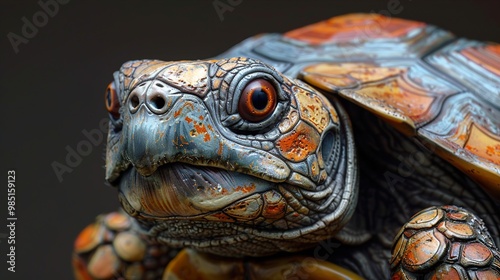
<point>108,98</point>
<point>259,99</point>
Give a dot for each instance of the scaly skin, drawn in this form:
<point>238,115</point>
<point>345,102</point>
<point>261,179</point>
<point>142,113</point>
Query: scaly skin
<point>445,243</point>
<point>232,158</point>
<point>192,171</point>
<point>114,248</point>
<point>197,173</point>
<point>400,177</point>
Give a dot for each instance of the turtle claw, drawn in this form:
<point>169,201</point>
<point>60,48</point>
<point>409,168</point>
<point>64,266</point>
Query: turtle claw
<point>444,242</point>
<point>112,248</point>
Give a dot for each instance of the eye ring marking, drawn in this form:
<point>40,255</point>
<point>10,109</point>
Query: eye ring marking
<point>111,101</point>
<point>257,101</point>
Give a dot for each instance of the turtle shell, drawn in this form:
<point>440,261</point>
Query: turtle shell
<point>428,84</point>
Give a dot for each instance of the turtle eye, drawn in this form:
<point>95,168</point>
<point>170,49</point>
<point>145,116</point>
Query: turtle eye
<point>112,102</point>
<point>257,100</point>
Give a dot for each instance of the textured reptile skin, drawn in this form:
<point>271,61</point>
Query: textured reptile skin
<point>451,241</point>
<point>253,154</point>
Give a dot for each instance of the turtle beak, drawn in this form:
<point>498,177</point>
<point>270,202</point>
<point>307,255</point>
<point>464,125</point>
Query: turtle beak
<point>184,132</point>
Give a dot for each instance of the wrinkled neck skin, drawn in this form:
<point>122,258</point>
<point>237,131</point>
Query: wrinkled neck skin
<point>197,168</point>
<point>402,176</point>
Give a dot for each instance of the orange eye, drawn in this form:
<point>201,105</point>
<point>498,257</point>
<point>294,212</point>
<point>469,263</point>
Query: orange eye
<point>257,101</point>
<point>111,99</point>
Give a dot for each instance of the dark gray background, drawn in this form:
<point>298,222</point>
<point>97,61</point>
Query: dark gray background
<point>53,89</point>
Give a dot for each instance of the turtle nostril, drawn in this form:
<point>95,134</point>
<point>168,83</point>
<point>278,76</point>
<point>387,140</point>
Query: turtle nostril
<point>134,101</point>
<point>158,102</point>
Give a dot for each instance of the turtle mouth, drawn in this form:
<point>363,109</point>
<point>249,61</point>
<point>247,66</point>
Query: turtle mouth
<point>185,191</point>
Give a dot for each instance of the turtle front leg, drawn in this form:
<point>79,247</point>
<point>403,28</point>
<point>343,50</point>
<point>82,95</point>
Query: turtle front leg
<point>445,242</point>
<point>113,248</point>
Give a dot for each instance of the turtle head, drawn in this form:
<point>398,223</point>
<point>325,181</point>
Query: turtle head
<point>228,156</point>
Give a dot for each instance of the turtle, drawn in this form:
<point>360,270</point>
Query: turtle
<point>359,147</point>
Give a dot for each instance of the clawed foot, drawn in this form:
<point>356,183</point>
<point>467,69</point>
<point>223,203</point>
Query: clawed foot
<point>112,248</point>
<point>445,242</point>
